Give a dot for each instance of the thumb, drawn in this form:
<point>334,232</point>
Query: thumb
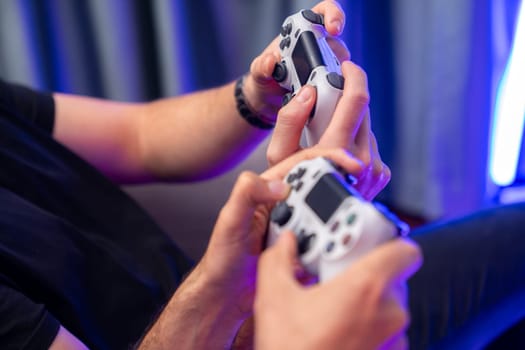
<point>248,193</point>
<point>392,262</point>
<point>276,269</point>
<point>291,120</point>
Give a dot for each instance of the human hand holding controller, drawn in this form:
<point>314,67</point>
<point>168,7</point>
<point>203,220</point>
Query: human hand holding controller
<point>308,59</point>
<point>333,224</point>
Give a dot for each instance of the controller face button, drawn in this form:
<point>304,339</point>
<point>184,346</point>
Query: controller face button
<point>305,242</point>
<point>347,238</point>
<point>313,17</point>
<point>351,219</point>
<point>336,80</point>
<point>298,186</point>
<point>279,72</point>
<point>281,213</point>
<point>330,246</point>
<point>334,226</point>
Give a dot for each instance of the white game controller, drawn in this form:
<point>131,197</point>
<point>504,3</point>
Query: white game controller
<point>308,59</point>
<point>334,225</point>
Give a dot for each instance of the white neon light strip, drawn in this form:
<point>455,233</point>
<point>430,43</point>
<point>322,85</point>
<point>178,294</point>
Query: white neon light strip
<point>509,111</point>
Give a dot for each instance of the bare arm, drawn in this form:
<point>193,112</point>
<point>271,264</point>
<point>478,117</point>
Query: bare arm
<point>66,341</point>
<point>179,139</point>
<point>183,138</point>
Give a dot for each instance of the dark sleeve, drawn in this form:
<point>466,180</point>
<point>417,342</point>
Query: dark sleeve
<point>23,323</point>
<point>34,106</point>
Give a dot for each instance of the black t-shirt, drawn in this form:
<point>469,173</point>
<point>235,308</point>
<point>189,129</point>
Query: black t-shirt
<point>75,250</point>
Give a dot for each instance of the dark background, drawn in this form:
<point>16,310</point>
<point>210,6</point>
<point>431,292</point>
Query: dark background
<point>432,66</point>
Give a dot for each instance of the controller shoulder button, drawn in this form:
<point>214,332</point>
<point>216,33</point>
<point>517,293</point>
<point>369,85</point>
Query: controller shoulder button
<point>336,80</point>
<point>313,17</point>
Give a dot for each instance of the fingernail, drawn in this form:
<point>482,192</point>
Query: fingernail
<point>278,187</point>
<point>338,25</point>
<point>304,95</point>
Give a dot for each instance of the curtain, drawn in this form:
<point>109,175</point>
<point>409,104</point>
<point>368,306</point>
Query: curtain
<point>443,85</point>
<point>428,63</point>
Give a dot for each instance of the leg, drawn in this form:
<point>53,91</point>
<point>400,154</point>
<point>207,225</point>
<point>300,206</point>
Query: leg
<point>472,284</point>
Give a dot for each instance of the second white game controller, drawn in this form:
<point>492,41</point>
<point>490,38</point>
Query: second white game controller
<point>334,225</point>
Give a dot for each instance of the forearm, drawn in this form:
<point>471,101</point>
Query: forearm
<point>196,136</point>
<point>194,319</point>
<point>182,138</point>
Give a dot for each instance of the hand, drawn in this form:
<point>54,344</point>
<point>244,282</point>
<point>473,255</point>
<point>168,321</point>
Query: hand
<point>349,128</point>
<point>230,261</point>
<point>209,307</point>
<point>262,92</point>
<point>362,308</point>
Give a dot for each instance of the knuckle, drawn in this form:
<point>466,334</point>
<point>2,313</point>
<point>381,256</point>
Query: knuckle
<point>254,66</point>
<point>366,158</point>
<point>387,173</point>
<point>360,72</point>
<point>246,180</point>
<point>414,251</point>
<point>288,113</point>
<point>377,167</point>
<point>361,98</point>
<point>399,320</point>
<point>272,156</point>
<point>404,319</point>
<point>370,287</point>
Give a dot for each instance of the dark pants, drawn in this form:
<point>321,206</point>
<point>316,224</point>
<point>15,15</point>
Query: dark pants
<point>471,288</point>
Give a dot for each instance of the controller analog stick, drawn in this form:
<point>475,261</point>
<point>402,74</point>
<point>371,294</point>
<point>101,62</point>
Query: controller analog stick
<point>281,213</point>
<point>336,80</point>
<point>279,72</point>
<point>313,17</point>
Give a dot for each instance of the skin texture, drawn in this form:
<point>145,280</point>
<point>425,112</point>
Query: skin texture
<point>66,341</point>
<point>362,308</point>
<point>146,142</point>
<point>218,295</point>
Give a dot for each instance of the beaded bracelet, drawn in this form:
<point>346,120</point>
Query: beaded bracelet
<point>246,112</point>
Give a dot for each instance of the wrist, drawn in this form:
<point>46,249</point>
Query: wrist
<point>252,106</point>
<point>196,317</point>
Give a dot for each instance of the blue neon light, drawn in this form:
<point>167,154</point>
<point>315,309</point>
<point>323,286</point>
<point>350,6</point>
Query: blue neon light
<point>509,111</point>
